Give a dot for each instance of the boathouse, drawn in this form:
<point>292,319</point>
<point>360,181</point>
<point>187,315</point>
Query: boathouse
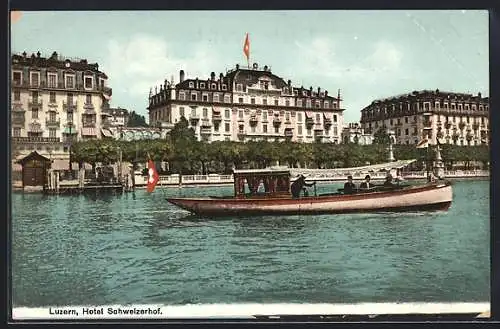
<point>34,169</point>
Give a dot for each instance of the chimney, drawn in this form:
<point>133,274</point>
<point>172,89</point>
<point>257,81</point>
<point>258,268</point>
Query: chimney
<point>326,93</point>
<point>181,76</point>
<point>265,67</point>
<point>212,76</point>
<point>289,83</point>
<point>24,54</point>
<point>237,66</point>
<point>479,95</point>
<point>319,90</point>
<point>38,54</point>
<point>221,77</point>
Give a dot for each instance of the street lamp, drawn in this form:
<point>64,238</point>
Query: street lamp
<point>70,140</point>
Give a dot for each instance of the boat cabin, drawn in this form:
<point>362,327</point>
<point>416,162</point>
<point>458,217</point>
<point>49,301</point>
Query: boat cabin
<point>262,183</point>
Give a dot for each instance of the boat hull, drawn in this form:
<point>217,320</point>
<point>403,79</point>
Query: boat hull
<point>422,198</point>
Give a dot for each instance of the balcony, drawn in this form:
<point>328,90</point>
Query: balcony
<point>88,106</point>
<point>69,106</point>
<point>18,120</point>
<point>194,117</point>
<point>36,140</point>
<point>318,127</point>
<point>216,117</point>
<point>327,122</point>
<point>35,103</point>
<point>206,123</point>
<point>276,121</point>
<point>253,118</point>
<point>53,123</point>
<point>88,124</point>
<point>206,131</point>
<point>309,121</point>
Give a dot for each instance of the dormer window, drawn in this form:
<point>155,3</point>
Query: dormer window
<point>334,105</point>
<point>35,79</point>
<point>224,87</point>
<point>182,96</point>
<point>191,84</point>
<point>304,93</point>
<point>88,82</point>
<point>299,102</point>
<point>227,99</point>
<point>52,80</point>
<point>322,94</point>
<point>216,98</point>
<point>239,87</point>
<point>70,81</point>
<point>205,98</point>
<point>17,78</point>
<point>318,104</point>
<point>326,104</point>
<point>193,97</point>
<point>202,84</point>
<point>214,86</point>
<point>295,92</point>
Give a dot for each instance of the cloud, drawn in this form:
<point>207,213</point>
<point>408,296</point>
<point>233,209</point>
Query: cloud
<point>144,61</point>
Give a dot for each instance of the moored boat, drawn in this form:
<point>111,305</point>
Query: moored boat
<point>267,192</point>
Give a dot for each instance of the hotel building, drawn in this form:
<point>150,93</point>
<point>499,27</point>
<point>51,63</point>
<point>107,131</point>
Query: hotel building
<point>54,102</point>
<point>248,104</point>
<point>454,118</point>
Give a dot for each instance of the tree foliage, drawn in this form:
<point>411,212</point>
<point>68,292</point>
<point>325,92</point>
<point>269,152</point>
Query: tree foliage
<point>136,120</point>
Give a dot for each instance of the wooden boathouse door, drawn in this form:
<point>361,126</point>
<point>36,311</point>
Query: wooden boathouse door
<point>34,170</point>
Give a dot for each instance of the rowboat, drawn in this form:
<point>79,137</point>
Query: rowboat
<point>276,198</point>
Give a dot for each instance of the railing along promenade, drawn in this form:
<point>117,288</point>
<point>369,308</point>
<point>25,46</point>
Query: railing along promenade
<point>214,179</point>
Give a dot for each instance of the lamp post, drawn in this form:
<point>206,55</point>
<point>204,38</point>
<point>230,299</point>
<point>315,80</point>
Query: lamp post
<point>70,140</point>
<point>391,140</point>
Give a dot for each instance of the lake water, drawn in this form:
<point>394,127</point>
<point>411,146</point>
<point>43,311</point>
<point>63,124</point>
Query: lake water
<point>136,248</point>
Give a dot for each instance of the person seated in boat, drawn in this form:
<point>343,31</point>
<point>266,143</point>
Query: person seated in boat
<point>366,185</point>
<point>298,185</point>
<point>349,186</point>
<point>306,193</point>
<point>388,181</point>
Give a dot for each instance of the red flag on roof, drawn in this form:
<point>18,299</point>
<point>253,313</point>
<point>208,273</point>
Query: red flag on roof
<point>246,47</point>
<point>153,176</point>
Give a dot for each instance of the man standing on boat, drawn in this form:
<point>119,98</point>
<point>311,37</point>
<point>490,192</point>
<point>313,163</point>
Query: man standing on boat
<point>349,186</point>
<point>298,185</point>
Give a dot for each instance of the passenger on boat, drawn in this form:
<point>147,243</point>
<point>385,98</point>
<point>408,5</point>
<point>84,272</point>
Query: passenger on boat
<point>388,181</point>
<point>306,193</point>
<point>366,184</point>
<point>349,186</point>
<point>298,185</point>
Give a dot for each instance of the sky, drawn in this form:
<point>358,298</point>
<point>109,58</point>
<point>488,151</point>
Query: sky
<point>368,55</point>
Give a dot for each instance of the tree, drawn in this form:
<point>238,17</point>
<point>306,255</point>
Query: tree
<point>381,137</point>
<point>136,120</point>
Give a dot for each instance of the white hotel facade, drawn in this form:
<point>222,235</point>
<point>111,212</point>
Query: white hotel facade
<point>248,104</point>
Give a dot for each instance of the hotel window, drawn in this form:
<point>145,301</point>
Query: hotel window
<point>34,113</point>
<point>287,102</point>
<point>181,111</point>
<point>299,117</point>
<point>240,100</point>
<point>239,87</point>
<point>326,104</point>
<point>436,105</point>
<point>182,96</point>
<point>224,87</point>
<point>264,129</point>
<point>473,107</point>
<point>216,128</point>
<point>334,118</point>
<point>482,121</point>
<point>69,117</point>
<point>70,81</point>
<point>34,96</point>
<point>390,122</point>
<point>205,112</point>
<point>287,116</point>
<point>460,107</point>
<point>193,97</point>
<point>452,106</point>
<point>309,132</point>
<point>480,107</point>
<point>240,114</point>
<point>335,130</point>
<point>299,102</point>
<point>52,97</point>
<point>252,100</point>
<point>88,99</point>
<point>253,129</point>
<point>88,82</point>
<point>227,98</point>
<point>227,127</point>
<point>276,102</point>
<point>466,107</point>
<point>406,119</point>
<point>264,115</point>
<point>191,84</point>
<point>216,98</point>
<point>299,130</point>
<point>52,132</point>
<point>202,84</point>
<point>318,104</point>
<point>17,95</point>
<point>334,105</point>
<point>214,86</point>
<point>227,114</point>
<point>52,116</point>
<point>406,131</point>
<point>205,98</point>
<point>308,103</point>
<point>318,117</point>
<point>16,132</point>
<point>35,79</point>
<point>17,78</point>
<point>276,130</point>
<point>193,112</point>
<point>264,101</point>
<point>467,119</point>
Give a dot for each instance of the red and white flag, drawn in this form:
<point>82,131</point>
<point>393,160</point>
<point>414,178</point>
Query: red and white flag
<point>246,48</point>
<point>153,176</point>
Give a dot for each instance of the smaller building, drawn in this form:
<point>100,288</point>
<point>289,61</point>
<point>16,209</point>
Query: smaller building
<point>34,169</point>
<point>354,133</point>
<point>116,117</point>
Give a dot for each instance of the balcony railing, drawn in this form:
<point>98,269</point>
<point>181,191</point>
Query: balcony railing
<point>69,105</point>
<point>216,117</point>
<point>53,123</point>
<point>194,117</point>
<point>36,139</point>
<point>87,124</point>
<point>205,131</point>
<point>88,106</point>
<point>35,103</point>
<point>206,123</point>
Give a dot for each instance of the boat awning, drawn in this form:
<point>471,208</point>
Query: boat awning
<point>106,133</point>
<point>344,171</point>
<point>89,132</point>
